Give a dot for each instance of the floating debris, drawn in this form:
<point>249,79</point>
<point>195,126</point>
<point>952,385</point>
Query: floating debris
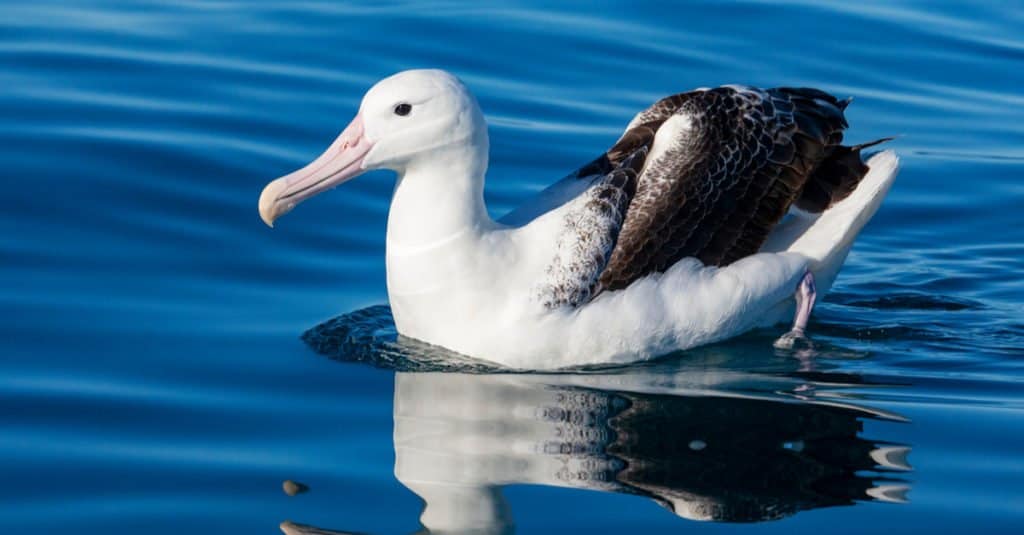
<point>292,488</point>
<point>291,528</point>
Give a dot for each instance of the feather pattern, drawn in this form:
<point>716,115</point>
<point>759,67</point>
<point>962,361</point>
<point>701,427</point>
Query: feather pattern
<point>718,169</point>
<point>591,227</point>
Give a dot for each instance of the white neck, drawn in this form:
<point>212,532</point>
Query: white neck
<point>435,224</point>
<point>438,197</point>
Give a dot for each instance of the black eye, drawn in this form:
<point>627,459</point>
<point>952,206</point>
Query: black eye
<point>403,109</point>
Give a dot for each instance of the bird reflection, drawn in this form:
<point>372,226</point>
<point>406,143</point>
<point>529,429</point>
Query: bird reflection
<point>703,437</point>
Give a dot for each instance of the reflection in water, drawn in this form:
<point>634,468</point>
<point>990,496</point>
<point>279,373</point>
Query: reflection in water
<point>700,436</point>
<point>459,438</point>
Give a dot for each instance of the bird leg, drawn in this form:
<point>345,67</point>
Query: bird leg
<point>805,296</point>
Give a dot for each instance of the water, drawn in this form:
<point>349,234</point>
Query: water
<point>153,379</point>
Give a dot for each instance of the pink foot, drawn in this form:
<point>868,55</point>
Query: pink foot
<point>805,296</point>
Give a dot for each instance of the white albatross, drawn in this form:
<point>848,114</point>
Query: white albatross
<point>714,213</point>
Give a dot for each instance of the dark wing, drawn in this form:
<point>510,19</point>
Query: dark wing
<point>723,167</point>
<point>705,174</point>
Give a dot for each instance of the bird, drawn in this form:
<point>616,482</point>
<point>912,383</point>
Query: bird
<point>717,211</point>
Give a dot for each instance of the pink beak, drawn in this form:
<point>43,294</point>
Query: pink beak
<point>342,161</point>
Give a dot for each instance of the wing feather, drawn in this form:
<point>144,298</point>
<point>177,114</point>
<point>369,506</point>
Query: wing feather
<point>725,166</point>
<point>590,229</point>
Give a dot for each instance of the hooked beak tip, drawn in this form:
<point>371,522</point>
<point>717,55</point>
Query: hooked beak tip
<point>270,209</point>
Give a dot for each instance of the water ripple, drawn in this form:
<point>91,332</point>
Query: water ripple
<point>153,373</point>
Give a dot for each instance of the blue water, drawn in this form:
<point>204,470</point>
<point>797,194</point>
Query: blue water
<point>153,379</point>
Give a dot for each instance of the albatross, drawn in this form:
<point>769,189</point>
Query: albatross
<point>718,210</point>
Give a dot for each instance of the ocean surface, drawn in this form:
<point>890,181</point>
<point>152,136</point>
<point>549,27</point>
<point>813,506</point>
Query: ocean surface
<point>154,376</point>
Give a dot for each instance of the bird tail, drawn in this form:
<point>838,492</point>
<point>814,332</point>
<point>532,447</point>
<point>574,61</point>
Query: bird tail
<point>835,178</point>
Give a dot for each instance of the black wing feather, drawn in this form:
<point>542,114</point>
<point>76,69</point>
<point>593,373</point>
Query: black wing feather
<point>727,180</point>
<point>732,163</point>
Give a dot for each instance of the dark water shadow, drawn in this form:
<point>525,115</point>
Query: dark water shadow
<point>907,300</point>
<point>720,434</point>
<point>368,336</point>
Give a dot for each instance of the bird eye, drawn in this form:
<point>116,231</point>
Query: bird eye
<point>403,109</point>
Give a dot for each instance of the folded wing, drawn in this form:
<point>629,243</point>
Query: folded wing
<point>705,174</point>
